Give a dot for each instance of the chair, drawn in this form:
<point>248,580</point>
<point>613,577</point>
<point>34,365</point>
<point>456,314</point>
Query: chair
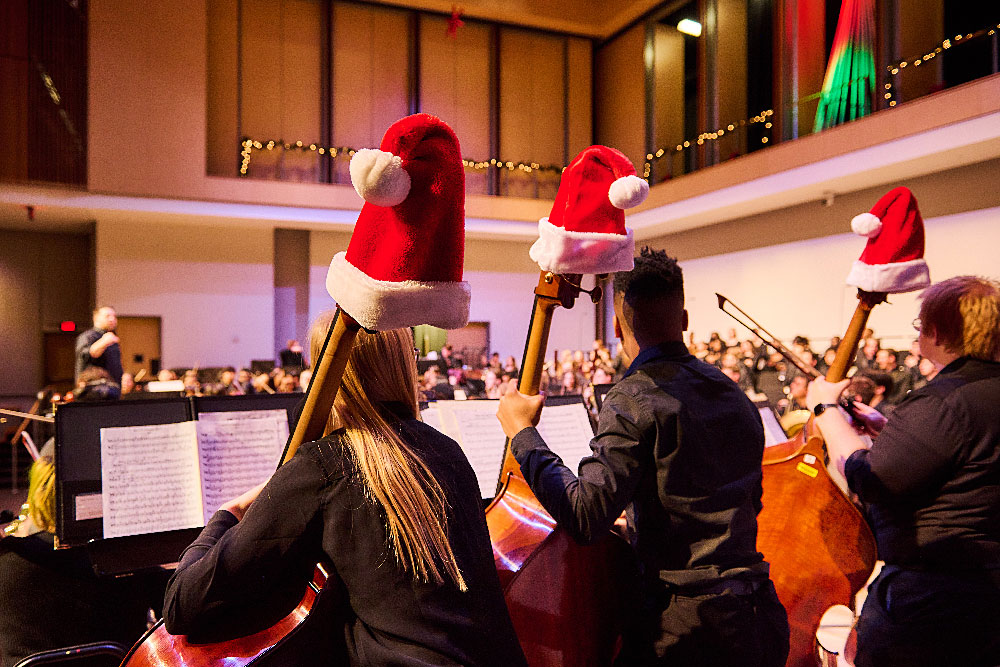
<point>96,654</point>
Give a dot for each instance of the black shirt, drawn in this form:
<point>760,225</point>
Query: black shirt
<point>315,508</point>
<point>681,446</point>
<point>111,360</point>
<point>51,599</point>
<point>932,478</point>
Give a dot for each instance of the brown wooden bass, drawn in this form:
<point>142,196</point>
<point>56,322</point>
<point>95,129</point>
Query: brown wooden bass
<point>819,546</point>
<point>565,599</point>
<point>281,643</point>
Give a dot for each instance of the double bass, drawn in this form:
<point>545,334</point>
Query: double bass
<point>820,548</point>
<point>278,644</point>
<point>565,599</point>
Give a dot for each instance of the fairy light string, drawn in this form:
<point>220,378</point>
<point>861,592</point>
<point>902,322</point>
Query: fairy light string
<point>950,43</point>
<point>249,146</point>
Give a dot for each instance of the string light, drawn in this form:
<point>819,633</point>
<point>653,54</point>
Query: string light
<point>700,140</point>
<point>951,42</point>
<point>248,146</point>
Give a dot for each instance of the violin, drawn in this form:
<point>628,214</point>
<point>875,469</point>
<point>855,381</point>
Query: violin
<point>565,599</point>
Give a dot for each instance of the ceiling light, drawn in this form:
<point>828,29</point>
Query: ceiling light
<point>689,27</point>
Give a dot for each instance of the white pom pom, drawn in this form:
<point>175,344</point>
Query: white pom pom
<point>379,177</point>
<point>628,191</point>
<point>866,224</point>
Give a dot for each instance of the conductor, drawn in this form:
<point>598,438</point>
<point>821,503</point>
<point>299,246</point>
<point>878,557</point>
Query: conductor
<point>98,346</point>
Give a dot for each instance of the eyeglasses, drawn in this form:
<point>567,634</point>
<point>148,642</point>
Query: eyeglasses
<point>916,324</point>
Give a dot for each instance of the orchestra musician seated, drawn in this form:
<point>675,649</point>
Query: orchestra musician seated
<point>392,504</point>
<point>679,448</point>
<point>930,482</point>
<point>50,598</point>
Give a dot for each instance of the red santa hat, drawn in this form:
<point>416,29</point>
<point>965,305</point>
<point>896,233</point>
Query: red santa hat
<point>585,232</point>
<point>403,266</point>
<point>893,259</point>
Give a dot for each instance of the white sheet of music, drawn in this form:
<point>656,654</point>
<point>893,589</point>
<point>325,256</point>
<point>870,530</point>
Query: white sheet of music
<point>238,450</point>
<point>474,425</point>
<point>567,431</point>
<point>149,478</point>
<point>432,417</point>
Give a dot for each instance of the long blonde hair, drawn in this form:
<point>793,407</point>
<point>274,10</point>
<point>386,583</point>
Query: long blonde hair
<point>383,369</point>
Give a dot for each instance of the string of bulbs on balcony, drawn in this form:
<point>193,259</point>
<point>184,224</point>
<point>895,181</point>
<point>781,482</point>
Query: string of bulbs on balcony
<point>250,145</point>
<point>957,40</point>
<point>660,153</point>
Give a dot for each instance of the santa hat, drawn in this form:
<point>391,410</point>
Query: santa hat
<point>893,259</point>
<point>585,232</point>
<point>403,266</point>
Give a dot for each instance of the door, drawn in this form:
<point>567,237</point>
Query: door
<point>140,342</point>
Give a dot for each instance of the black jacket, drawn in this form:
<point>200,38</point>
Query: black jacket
<point>932,477</point>
<point>680,446</point>
<point>239,576</point>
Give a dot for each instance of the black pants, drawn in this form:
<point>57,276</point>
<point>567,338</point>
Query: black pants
<point>916,618</point>
<point>744,629</point>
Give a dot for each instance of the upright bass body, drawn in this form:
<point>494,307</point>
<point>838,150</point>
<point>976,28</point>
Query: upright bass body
<point>820,549</point>
<point>566,600</point>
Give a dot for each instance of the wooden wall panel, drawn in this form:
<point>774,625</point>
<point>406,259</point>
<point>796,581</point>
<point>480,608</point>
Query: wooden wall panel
<point>301,50</point>
<point>222,95</point>
<point>281,51</point>
<point>668,99</point>
<point>260,55</point>
<point>619,88</point>
<point>580,81</point>
<point>455,86</point>
<point>731,79</point>
<point>532,110</point>
<point>370,80</point>
<point>921,26</point>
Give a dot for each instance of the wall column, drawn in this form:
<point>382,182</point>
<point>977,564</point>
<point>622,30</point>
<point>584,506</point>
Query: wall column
<point>291,287</point>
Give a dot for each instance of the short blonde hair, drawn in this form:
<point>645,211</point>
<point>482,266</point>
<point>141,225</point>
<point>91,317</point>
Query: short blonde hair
<point>964,314</point>
<point>42,493</point>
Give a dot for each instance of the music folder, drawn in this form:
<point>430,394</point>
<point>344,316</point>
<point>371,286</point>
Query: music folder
<point>136,481</point>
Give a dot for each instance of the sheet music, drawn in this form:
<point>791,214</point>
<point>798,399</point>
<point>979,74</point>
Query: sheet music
<point>238,450</point>
<point>432,417</point>
<point>474,425</point>
<point>149,477</point>
<point>773,433</point>
<point>567,431</point>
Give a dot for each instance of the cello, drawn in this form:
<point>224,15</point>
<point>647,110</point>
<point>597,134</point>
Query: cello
<point>274,645</point>
<point>820,548</point>
<point>564,598</point>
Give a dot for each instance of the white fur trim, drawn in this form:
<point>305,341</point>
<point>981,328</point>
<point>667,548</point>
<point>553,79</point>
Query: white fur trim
<point>866,224</point>
<point>628,191</point>
<point>379,177</point>
<point>893,278</point>
<point>381,305</point>
<point>561,251</point>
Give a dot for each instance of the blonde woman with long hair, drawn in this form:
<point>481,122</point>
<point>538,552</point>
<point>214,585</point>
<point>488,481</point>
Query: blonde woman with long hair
<point>390,502</point>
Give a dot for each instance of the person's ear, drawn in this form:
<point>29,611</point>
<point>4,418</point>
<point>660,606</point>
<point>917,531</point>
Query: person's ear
<point>618,328</point>
<point>684,320</point>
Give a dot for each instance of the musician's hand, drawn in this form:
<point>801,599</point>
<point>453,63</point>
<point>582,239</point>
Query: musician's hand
<point>821,391</point>
<point>517,411</point>
<point>620,526</point>
<point>869,419</point>
<point>238,506</point>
